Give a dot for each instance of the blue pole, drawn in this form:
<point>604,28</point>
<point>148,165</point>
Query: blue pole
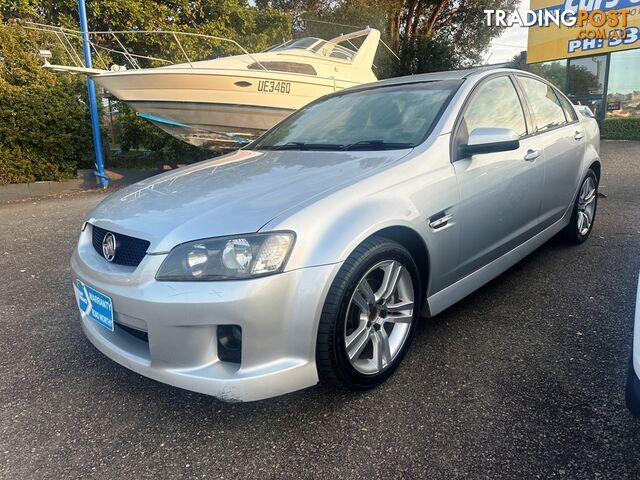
<point>93,102</point>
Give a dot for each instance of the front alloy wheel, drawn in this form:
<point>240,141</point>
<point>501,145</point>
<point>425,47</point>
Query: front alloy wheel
<point>379,317</point>
<point>369,316</point>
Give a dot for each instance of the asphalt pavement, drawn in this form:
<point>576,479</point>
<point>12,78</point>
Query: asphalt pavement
<point>522,379</point>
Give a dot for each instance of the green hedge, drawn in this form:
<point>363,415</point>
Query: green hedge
<point>621,128</point>
<point>44,128</point>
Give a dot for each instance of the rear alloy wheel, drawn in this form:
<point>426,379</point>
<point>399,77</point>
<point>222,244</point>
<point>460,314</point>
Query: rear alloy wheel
<point>369,316</point>
<point>584,211</point>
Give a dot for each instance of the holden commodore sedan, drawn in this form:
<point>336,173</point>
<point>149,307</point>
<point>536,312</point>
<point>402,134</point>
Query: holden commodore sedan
<point>310,254</point>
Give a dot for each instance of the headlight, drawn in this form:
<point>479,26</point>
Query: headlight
<point>227,258</point>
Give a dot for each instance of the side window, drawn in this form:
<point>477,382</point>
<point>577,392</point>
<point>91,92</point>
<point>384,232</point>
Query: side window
<point>292,67</point>
<point>547,111</point>
<point>569,111</point>
<point>495,104</point>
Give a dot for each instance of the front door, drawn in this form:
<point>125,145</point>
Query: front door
<point>500,193</point>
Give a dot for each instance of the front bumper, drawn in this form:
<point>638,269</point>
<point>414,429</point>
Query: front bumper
<point>278,316</point>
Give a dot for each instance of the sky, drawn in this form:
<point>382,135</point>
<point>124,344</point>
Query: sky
<point>511,42</point>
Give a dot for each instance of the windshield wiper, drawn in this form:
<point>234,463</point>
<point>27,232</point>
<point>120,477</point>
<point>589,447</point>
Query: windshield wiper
<point>377,145</point>
<point>304,146</point>
<point>361,145</point>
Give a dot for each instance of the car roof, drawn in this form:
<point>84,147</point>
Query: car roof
<point>435,76</point>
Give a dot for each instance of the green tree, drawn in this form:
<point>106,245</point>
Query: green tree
<point>581,81</point>
<point>555,72</point>
<point>44,125</point>
<point>455,28</point>
<point>519,61</point>
<point>39,108</point>
<point>235,19</point>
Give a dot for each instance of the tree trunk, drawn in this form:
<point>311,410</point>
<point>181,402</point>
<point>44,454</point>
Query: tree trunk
<point>394,25</point>
<point>412,6</point>
<point>416,18</point>
<point>434,16</point>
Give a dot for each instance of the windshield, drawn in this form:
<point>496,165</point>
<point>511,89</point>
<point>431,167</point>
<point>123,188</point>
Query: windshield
<point>382,118</point>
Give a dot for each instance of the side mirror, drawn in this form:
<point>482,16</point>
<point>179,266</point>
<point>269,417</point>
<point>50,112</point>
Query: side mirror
<point>490,140</point>
<point>585,110</point>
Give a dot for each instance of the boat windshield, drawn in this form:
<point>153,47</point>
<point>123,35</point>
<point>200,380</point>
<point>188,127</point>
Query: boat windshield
<point>390,117</point>
<point>333,50</point>
<point>299,43</point>
<point>318,46</point>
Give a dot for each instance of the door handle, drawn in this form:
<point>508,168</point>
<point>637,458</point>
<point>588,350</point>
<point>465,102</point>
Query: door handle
<point>531,155</point>
<point>578,135</point>
<point>439,220</point>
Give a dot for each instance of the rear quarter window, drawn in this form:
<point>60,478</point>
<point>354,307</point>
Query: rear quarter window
<point>569,111</point>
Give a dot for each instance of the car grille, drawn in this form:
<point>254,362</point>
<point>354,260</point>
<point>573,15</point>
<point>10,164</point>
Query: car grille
<point>130,250</point>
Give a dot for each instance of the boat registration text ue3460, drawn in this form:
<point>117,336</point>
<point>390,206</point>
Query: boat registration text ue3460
<point>271,86</point>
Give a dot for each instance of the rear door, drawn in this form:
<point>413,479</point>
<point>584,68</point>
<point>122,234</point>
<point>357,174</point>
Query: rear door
<point>500,193</point>
<point>563,141</point>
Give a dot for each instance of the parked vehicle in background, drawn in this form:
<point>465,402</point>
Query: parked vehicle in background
<point>310,254</point>
<point>632,393</point>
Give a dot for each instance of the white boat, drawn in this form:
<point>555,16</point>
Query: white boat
<point>226,102</point>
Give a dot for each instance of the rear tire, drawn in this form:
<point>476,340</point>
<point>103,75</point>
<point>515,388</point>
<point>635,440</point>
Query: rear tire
<point>584,211</point>
<point>369,316</point>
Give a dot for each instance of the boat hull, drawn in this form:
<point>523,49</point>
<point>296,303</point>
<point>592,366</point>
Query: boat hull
<point>213,108</point>
<point>211,125</point>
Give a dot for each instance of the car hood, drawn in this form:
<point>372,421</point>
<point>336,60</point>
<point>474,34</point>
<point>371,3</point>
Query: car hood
<point>234,194</point>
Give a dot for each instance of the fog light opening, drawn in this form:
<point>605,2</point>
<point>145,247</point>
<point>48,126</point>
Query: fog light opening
<point>229,343</point>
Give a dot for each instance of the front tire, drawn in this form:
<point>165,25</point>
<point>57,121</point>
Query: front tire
<point>584,211</point>
<point>369,316</point>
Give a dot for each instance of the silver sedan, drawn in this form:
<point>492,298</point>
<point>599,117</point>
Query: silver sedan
<point>310,255</point>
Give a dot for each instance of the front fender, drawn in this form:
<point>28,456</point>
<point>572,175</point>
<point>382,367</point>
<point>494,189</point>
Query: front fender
<point>326,238</point>
<point>323,239</point>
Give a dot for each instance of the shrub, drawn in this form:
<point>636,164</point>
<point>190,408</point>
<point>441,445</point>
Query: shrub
<point>621,128</point>
<point>44,126</point>
<point>20,166</point>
